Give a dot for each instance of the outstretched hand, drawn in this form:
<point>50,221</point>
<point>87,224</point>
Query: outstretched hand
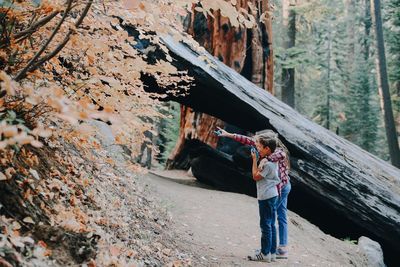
<point>222,132</point>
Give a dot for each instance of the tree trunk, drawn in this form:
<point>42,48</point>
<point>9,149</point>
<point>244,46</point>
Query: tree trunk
<point>391,133</point>
<point>193,125</point>
<point>367,29</point>
<point>351,40</point>
<point>328,85</point>
<point>289,25</point>
<point>368,136</point>
<point>248,51</point>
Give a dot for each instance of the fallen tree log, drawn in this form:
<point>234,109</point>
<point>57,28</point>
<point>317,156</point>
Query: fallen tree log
<point>223,171</point>
<point>352,181</point>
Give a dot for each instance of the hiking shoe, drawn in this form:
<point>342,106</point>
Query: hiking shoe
<point>260,257</point>
<point>282,253</point>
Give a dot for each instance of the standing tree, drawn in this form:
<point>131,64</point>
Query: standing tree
<point>288,72</point>
<point>360,107</point>
<point>248,50</point>
<point>392,37</point>
<point>320,37</point>
<point>391,134</point>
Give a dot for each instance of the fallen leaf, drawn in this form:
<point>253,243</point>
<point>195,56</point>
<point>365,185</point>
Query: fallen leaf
<point>91,263</point>
<point>131,4</point>
<point>36,143</point>
<point>34,173</point>
<point>17,242</point>
<point>16,225</point>
<point>4,263</point>
<point>131,253</point>
<point>28,220</point>
<point>9,172</point>
<point>7,83</point>
<point>42,244</point>
<point>115,251</point>
<point>3,177</point>
<point>27,239</point>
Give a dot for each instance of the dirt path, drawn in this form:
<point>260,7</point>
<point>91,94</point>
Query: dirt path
<point>222,228</point>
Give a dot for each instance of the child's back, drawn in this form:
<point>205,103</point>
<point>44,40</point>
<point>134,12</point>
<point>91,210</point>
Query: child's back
<point>266,187</point>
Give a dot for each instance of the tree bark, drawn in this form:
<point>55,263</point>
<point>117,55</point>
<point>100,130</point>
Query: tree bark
<point>383,84</point>
<point>193,125</point>
<point>248,51</point>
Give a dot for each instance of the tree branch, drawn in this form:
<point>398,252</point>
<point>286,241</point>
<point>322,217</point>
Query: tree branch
<point>64,42</point>
<point>23,72</point>
<point>5,36</point>
<point>34,26</point>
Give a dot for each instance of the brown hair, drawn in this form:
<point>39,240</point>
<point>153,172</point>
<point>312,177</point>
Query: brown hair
<point>273,135</point>
<point>266,141</point>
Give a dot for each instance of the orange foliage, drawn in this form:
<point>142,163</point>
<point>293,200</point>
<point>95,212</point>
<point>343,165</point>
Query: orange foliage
<point>97,74</point>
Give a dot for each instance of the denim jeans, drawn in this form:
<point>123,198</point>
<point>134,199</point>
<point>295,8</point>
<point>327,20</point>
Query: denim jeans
<point>267,209</point>
<point>282,215</point>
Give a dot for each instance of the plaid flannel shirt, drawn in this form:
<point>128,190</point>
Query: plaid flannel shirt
<point>279,156</point>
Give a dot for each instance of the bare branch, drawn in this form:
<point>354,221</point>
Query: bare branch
<point>84,13</point>
<point>64,42</point>
<point>8,10</point>
<point>5,36</point>
<point>23,72</point>
<point>37,24</point>
<point>22,35</point>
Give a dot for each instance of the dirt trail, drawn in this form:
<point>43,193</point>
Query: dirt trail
<point>222,228</point>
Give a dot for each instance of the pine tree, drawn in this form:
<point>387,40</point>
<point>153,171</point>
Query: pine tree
<point>362,110</point>
<point>392,37</point>
<point>334,74</point>
<point>288,73</point>
<point>392,137</point>
<point>168,131</point>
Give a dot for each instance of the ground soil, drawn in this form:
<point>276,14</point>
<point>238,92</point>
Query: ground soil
<point>221,228</point>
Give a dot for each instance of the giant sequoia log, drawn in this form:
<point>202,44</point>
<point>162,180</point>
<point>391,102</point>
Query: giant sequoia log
<point>350,180</point>
<point>248,51</point>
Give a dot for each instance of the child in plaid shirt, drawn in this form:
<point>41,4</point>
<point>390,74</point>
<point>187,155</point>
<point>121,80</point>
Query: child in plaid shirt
<point>280,156</point>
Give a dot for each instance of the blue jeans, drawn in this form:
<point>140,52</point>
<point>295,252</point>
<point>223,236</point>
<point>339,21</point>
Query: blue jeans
<point>267,209</point>
<point>282,215</point>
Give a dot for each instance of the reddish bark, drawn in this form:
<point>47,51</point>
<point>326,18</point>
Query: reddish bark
<point>248,51</point>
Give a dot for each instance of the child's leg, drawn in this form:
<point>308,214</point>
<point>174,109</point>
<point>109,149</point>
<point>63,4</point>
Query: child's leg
<point>265,225</point>
<point>282,215</point>
<point>273,203</point>
<point>267,210</point>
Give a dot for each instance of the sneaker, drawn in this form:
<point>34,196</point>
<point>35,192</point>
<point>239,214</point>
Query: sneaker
<point>260,257</point>
<point>281,253</point>
<point>273,257</point>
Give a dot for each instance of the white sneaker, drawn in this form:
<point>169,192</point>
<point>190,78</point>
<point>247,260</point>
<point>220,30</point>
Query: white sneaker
<point>268,257</point>
<point>260,257</point>
<point>273,257</point>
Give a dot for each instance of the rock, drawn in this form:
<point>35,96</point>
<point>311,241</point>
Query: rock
<point>372,251</point>
<point>104,134</point>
